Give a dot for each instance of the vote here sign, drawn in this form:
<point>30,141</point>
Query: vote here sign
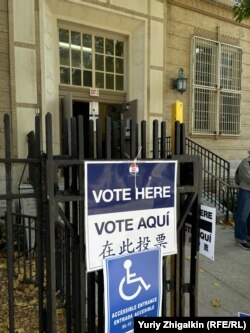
<point>129,207</point>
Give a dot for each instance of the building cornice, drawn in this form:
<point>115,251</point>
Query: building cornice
<point>210,8</point>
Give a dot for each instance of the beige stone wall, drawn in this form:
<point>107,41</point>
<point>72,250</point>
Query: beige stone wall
<point>207,19</point>
<point>5,90</point>
<point>18,83</point>
<point>30,70</point>
<point>142,25</point>
<point>158,33</point>
<point>25,66</point>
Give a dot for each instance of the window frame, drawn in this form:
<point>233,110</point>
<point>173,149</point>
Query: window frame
<point>118,75</point>
<point>216,79</point>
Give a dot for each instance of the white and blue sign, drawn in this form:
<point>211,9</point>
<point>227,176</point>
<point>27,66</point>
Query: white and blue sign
<point>207,231</point>
<point>133,288</point>
<point>129,207</point>
<point>243,314</point>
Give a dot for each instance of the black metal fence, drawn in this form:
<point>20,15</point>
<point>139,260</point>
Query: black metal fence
<point>49,248</point>
<point>218,189</point>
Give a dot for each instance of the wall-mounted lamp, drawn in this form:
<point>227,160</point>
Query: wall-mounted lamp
<point>180,84</point>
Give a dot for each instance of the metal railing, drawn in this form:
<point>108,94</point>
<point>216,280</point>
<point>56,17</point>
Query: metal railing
<point>216,186</point>
<point>48,250</point>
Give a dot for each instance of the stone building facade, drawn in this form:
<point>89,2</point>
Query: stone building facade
<point>109,57</point>
<point>212,22</point>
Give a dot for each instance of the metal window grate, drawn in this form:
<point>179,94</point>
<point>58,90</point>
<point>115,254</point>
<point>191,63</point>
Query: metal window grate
<point>206,55</point>
<point>216,87</point>
<point>204,119</point>
<point>229,113</point>
<point>230,68</point>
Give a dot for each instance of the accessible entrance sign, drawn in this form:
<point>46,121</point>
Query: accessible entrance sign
<point>129,207</point>
<point>133,288</point>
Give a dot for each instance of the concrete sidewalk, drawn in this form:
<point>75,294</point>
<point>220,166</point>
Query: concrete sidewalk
<point>224,284</point>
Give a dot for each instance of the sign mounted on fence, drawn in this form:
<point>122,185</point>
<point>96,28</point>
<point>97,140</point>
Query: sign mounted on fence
<point>129,207</point>
<point>207,231</point>
<point>132,289</point>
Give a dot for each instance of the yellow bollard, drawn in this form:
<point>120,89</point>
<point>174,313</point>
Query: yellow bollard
<point>177,115</point>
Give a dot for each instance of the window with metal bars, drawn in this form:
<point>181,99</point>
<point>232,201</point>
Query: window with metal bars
<point>216,87</point>
<point>89,60</point>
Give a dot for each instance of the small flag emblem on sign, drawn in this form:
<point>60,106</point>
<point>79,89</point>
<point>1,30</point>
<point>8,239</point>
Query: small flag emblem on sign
<point>133,169</point>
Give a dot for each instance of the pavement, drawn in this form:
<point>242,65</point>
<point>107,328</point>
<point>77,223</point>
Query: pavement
<point>224,284</point>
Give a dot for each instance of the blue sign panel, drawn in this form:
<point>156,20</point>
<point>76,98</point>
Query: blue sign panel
<point>242,314</point>
<point>133,288</point>
<point>117,187</point>
<point>129,207</point>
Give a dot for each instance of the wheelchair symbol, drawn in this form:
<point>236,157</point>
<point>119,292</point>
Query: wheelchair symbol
<point>131,278</point>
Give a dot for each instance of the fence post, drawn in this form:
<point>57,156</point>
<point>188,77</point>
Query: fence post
<point>163,149</point>
<point>10,252</point>
<point>177,118</point>
<point>155,140</point>
<point>143,139</point>
<point>50,260</point>
<point>38,186</point>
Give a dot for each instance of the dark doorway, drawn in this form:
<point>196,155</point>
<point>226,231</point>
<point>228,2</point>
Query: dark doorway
<point>82,109</point>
